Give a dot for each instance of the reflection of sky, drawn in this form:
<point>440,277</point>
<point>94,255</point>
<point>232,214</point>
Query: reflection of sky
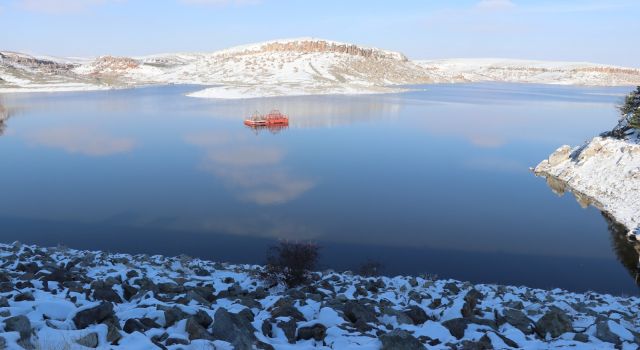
<point>445,168</point>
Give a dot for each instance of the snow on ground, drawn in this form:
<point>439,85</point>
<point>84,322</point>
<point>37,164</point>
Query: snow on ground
<point>59,298</point>
<point>606,171</point>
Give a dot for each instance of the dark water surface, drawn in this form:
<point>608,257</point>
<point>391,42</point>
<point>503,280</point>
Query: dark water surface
<point>432,181</point>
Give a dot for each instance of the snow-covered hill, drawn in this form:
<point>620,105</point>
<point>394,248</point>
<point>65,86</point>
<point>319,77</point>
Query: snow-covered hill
<point>290,67</point>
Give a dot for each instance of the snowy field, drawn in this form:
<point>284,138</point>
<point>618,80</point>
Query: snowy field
<point>58,298</point>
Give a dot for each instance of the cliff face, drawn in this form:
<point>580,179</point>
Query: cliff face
<point>307,46</point>
<point>30,62</point>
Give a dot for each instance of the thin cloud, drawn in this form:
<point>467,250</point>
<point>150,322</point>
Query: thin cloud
<point>60,6</point>
<point>221,3</point>
<point>495,5</point>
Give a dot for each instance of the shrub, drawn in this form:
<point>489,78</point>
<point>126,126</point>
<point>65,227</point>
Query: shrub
<point>291,262</point>
<point>631,107</point>
<point>370,268</point>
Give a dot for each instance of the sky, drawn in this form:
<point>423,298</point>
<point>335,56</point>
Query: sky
<point>602,31</point>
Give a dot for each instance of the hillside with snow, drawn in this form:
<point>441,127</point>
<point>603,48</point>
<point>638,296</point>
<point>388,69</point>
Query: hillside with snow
<point>290,67</point>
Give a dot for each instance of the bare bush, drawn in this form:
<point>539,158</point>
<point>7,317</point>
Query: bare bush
<point>291,262</point>
<point>370,268</point>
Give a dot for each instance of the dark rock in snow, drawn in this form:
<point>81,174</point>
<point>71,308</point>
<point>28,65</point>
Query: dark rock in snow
<point>173,315</point>
<point>289,329</point>
<point>133,325</point>
<point>234,328</point>
<point>287,310</point>
<point>90,340</point>
<point>456,326</point>
<point>267,329</point>
<point>483,343</point>
<point>355,311</point>
<point>416,314</point>
<point>176,341</point>
<point>196,330</point>
<point>581,337</point>
<point>555,322</point>
<point>399,339</point>
<point>107,294</point>
<point>317,332</point>
<point>203,318</point>
<point>604,333</point>
<point>20,324</point>
<point>517,319</point>
<point>470,302</point>
<point>96,314</point>
<point>26,296</point>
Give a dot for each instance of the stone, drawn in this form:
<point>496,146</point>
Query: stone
<point>484,343</point>
<point>470,302</point>
<point>96,314</point>
<point>90,340</point>
<point>518,319</point>
<point>107,294</point>
<point>170,288</point>
<point>267,329</point>
<point>357,311</point>
<point>452,288</point>
<point>129,291</point>
<point>400,316</point>
<point>554,322</point>
<point>289,329</point>
<point>176,341</point>
<point>26,296</point>
<point>456,326</point>
<point>559,155</point>
<point>399,339</point>
<point>604,333</point>
<point>203,318</point>
<point>133,325</point>
<point>581,337</point>
<point>234,328</point>
<point>287,310</point>
<point>173,315</point>
<point>317,332</point>
<point>113,329</point>
<point>20,324</point>
<point>416,314</point>
<point>196,330</point>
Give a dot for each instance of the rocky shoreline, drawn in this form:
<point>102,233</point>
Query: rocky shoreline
<point>605,172</point>
<point>60,298</point>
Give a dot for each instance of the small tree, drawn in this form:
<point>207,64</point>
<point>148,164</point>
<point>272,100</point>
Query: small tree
<point>291,262</point>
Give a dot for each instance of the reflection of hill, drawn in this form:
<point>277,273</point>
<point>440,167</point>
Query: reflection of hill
<point>4,116</point>
<point>627,252</point>
<point>318,111</point>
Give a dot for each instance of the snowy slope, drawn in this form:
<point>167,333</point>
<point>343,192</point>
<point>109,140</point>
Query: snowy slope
<point>290,67</point>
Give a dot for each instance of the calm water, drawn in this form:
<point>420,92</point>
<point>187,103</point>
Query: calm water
<point>433,181</point>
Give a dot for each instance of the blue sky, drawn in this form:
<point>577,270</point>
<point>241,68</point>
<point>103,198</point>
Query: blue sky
<point>576,30</point>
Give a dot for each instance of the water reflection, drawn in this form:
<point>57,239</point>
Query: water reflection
<point>4,117</point>
<point>314,111</point>
<point>82,140</point>
<point>627,251</point>
<point>255,171</point>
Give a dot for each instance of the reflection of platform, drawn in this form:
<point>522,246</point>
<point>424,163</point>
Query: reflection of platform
<point>274,129</point>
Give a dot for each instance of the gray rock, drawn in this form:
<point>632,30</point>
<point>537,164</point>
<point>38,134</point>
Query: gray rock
<point>96,314</point>
<point>483,343</point>
<point>452,288</point>
<point>203,318</point>
<point>113,329</point>
<point>176,341</point>
<point>470,302</point>
<point>604,333</point>
<point>90,340</point>
<point>317,332</point>
<point>170,288</point>
<point>416,314</point>
<point>355,311</point>
<point>173,315</point>
<point>400,316</point>
<point>20,324</point>
<point>26,296</point>
<point>555,322</point>
<point>133,325</point>
<point>289,329</point>
<point>581,337</point>
<point>107,294</point>
<point>196,330</point>
<point>399,339</point>
<point>267,329</point>
<point>518,319</point>
<point>456,326</point>
<point>287,310</point>
<point>234,328</point>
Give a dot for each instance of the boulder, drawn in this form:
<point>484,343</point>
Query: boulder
<point>518,319</point>
<point>90,340</point>
<point>416,314</point>
<point>317,332</point>
<point>96,314</point>
<point>289,329</point>
<point>196,330</point>
<point>559,155</point>
<point>20,324</point>
<point>555,322</point>
<point>234,328</point>
<point>399,339</point>
<point>470,302</point>
<point>173,315</point>
<point>355,311</point>
<point>604,333</point>
<point>133,325</point>
<point>287,310</point>
<point>203,318</point>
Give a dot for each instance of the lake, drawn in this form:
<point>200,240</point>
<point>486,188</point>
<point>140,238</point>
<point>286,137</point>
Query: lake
<point>434,181</point>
